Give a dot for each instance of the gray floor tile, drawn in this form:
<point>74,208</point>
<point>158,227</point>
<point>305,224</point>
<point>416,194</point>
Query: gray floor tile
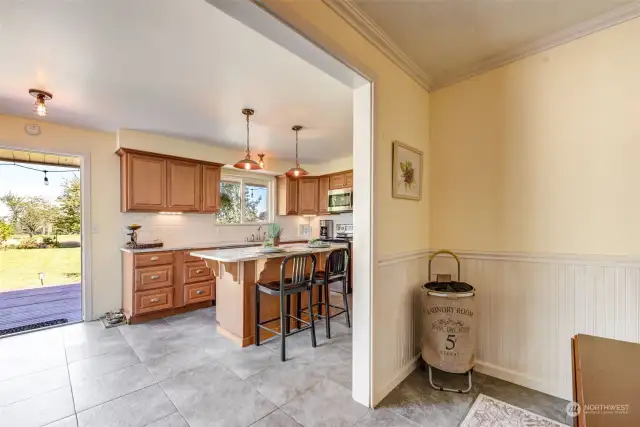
<point>148,331</point>
<point>39,410</point>
<point>276,419</point>
<point>156,347</point>
<point>332,362</point>
<point>65,422</point>
<point>83,332</point>
<point>250,360</point>
<point>31,385</point>
<point>193,319</point>
<point>211,392</point>
<point>93,367</point>
<point>109,386</point>
<point>385,418</point>
<point>95,347</point>
<point>525,398</point>
<point>29,356</point>
<point>137,409</point>
<point>173,420</point>
<point>286,381</point>
<point>172,364</point>
<point>325,404</point>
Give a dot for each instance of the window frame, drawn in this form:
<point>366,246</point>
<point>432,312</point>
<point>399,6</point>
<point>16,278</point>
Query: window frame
<point>255,180</point>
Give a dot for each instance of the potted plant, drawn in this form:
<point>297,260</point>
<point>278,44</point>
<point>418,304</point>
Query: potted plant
<point>274,232</point>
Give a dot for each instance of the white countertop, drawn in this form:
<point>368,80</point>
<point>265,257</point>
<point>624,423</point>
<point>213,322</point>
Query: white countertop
<point>252,253</point>
<point>205,246</point>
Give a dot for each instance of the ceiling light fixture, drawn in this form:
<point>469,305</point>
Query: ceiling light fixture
<point>247,163</point>
<point>261,161</point>
<point>297,171</point>
<point>39,107</point>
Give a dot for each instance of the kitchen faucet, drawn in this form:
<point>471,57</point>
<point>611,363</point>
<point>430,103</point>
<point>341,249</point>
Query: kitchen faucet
<point>256,237</point>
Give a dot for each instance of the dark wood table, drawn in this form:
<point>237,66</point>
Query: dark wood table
<point>606,382</point>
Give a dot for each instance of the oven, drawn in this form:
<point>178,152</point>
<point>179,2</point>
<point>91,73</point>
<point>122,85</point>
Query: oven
<point>341,200</point>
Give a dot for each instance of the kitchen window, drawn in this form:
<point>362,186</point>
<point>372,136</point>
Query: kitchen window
<point>244,200</point>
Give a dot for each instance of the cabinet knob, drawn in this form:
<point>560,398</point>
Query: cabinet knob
<point>155,277</point>
<point>154,258</point>
<point>199,292</point>
<point>154,300</point>
<point>199,271</point>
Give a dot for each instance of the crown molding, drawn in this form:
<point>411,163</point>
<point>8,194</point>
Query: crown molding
<point>599,23</point>
<point>355,17</point>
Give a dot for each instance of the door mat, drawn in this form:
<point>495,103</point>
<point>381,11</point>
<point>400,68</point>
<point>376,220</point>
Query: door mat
<point>32,326</point>
<point>489,412</point>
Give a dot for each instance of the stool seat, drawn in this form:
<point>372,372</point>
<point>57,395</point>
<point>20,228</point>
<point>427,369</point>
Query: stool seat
<point>273,287</point>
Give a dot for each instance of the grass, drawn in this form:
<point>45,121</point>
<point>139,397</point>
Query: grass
<point>15,239</point>
<point>19,268</point>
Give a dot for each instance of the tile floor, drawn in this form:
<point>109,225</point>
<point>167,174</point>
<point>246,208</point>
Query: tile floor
<point>179,372</point>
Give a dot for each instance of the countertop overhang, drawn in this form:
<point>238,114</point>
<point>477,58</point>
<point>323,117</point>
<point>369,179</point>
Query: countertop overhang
<point>197,246</point>
<point>252,253</point>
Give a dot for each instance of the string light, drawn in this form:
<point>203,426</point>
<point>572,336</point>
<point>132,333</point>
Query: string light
<point>46,179</point>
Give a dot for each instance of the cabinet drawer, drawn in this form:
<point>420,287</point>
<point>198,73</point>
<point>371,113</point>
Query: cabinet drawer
<point>154,277</point>
<point>154,300</point>
<point>198,292</point>
<point>197,272</point>
<point>154,258</point>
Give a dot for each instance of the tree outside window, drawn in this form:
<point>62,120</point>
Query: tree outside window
<point>243,202</point>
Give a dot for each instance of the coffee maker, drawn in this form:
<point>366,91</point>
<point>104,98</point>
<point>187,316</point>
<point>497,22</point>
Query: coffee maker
<point>326,229</point>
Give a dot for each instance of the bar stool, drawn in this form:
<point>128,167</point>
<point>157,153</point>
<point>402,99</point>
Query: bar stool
<point>299,282</point>
<point>336,270</point>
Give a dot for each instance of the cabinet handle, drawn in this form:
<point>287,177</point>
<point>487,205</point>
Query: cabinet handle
<point>199,292</point>
<point>154,258</point>
<point>199,271</point>
<point>154,300</point>
<point>155,277</point>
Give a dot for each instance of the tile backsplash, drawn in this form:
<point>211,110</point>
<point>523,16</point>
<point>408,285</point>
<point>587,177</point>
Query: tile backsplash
<point>187,229</point>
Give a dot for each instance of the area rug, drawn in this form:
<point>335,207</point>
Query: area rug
<point>489,412</point>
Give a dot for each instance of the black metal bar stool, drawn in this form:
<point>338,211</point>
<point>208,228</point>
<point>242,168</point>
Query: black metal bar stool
<point>336,270</point>
<point>299,282</point>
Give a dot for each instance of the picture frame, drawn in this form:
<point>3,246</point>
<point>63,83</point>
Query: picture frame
<point>407,172</point>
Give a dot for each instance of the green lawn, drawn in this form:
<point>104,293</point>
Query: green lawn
<point>19,268</point>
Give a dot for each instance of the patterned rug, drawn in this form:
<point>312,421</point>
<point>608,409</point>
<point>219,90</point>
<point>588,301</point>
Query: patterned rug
<point>489,412</point>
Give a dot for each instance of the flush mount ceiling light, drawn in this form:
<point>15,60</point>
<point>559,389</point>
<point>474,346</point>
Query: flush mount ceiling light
<point>247,163</point>
<point>39,106</point>
<point>297,171</point>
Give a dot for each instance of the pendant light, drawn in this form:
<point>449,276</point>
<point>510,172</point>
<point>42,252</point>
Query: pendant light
<point>39,107</point>
<point>247,163</point>
<point>297,171</point>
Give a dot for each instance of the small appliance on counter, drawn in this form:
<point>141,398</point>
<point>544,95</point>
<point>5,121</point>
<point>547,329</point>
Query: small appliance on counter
<point>133,242</point>
<point>341,200</point>
<point>326,229</point>
<point>344,231</point>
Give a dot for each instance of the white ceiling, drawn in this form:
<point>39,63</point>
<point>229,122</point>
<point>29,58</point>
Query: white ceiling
<point>452,39</point>
<point>181,68</point>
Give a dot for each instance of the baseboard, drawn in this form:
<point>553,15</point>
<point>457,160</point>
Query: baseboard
<point>403,373</point>
<point>520,379</point>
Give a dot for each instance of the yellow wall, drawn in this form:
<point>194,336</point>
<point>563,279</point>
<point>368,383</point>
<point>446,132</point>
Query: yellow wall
<point>542,155</point>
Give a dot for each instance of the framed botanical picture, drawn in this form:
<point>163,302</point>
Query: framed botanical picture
<point>407,172</point>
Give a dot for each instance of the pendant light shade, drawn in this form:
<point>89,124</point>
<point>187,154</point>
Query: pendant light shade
<point>247,163</point>
<point>297,171</point>
<point>39,107</point>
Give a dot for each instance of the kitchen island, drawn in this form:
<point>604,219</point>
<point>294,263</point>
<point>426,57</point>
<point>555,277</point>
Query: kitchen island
<point>237,271</point>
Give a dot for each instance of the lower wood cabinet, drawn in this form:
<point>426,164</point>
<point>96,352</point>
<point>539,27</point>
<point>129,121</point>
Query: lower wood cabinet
<point>198,292</point>
<point>154,300</point>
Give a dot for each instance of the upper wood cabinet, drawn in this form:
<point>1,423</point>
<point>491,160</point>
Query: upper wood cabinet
<point>323,195</point>
<point>287,196</point>
<point>341,180</point>
<point>155,183</point>
<point>308,196</point>
<point>348,178</point>
<point>211,188</point>
<point>183,186</point>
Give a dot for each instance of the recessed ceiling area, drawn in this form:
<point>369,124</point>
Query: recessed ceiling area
<point>179,68</point>
<point>454,39</point>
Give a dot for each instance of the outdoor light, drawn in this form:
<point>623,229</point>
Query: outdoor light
<point>41,275</point>
<point>39,107</point>
<point>297,171</point>
<point>46,182</point>
<point>247,163</point>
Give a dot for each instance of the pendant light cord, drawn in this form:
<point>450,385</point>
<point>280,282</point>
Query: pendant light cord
<point>297,164</point>
<point>248,152</point>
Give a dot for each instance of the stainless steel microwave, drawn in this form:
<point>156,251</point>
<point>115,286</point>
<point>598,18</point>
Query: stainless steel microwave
<point>341,200</point>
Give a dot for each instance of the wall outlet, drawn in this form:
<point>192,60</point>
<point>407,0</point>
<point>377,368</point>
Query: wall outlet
<point>305,231</point>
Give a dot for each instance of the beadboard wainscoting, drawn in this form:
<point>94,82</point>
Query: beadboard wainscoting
<point>529,306</point>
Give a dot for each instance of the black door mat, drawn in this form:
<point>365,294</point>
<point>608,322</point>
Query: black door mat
<point>32,326</point>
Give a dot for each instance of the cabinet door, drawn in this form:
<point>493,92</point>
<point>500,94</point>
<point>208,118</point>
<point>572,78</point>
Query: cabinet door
<point>323,195</point>
<point>348,179</point>
<point>292,197</point>
<point>337,181</point>
<point>210,188</point>
<point>308,196</point>
<point>145,183</point>
<point>183,183</point>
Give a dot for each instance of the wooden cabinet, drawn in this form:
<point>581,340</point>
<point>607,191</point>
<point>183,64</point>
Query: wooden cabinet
<point>287,196</point>
<point>155,183</point>
<point>348,177</point>
<point>308,196</point>
<point>341,180</point>
<point>211,176</point>
<point>183,186</point>
<point>323,195</point>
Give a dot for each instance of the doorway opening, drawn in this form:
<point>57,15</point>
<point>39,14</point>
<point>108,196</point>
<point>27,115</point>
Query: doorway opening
<point>40,241</point>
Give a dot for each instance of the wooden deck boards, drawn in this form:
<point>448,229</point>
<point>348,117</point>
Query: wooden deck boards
<point>29,306</point>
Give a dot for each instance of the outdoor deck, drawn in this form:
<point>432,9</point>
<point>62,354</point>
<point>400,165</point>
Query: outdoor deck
<point>28,306</point>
